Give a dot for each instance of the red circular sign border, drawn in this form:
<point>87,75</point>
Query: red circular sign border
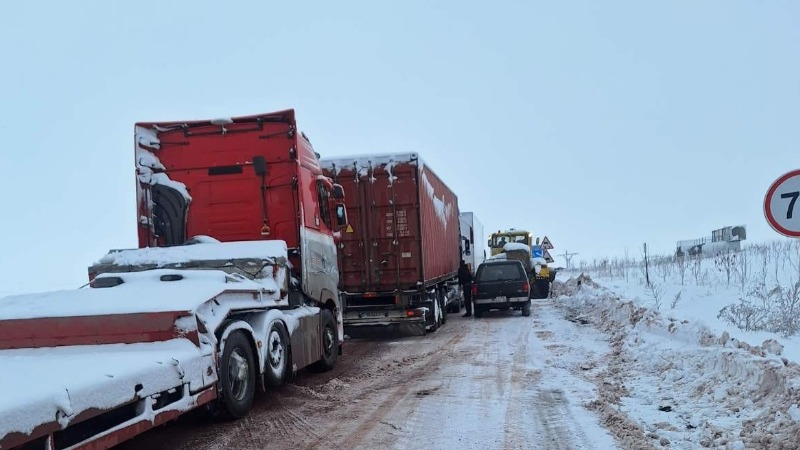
<point>770,218</point>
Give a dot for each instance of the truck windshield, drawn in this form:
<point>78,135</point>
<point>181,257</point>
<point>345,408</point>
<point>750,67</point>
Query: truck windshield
<point>500,241</point>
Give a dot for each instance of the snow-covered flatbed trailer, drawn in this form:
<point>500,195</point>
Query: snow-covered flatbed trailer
<point>233,288</point>
<point>160,332</point>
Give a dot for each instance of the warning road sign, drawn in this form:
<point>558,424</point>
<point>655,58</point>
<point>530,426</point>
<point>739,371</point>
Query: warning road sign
<point>780,204</point>
<point>548,258</point>
<point>546,244</point>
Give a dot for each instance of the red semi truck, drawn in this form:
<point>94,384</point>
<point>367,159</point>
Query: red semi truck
<point>185,320</point>
<point>399,257</point>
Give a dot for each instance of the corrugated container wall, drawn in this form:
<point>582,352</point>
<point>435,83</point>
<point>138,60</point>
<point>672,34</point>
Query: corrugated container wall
<point>404,223</point>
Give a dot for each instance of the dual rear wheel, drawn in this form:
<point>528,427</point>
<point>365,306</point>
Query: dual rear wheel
<point>238,366</point>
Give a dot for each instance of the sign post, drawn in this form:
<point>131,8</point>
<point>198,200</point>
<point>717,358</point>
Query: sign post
<point>780,204</point>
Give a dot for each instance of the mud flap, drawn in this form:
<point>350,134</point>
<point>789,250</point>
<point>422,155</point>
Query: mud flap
<point>412,329</point>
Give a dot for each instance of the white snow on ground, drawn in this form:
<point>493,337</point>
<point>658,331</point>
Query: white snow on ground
<point>680,383</point>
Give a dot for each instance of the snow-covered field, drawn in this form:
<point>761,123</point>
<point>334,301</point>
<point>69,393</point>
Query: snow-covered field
<point>678,371</point>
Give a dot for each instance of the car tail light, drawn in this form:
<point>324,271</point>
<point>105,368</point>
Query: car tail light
<point>526,286</point>
<point>474,289</point>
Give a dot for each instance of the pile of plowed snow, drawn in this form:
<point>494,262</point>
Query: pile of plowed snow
<point>684,386</point>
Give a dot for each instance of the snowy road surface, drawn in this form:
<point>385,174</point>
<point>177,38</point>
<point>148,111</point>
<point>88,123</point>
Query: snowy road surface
<point>500,382</point>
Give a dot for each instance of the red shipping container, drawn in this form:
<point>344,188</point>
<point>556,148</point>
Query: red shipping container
<point>404,228</point>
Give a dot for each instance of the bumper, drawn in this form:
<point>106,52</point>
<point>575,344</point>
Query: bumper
<point>509,302</point>
<point>393,317</point>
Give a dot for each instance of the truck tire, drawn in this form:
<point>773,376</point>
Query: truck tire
<point>478,312</point>
<point>526,309</point>
<point>330,343</point>
<point>277,357</point>
<point>237,376</point>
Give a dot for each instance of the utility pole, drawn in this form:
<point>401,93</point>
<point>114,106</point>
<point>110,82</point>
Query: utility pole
<point>568,257</point>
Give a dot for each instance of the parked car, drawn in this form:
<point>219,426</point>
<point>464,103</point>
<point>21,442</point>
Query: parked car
<point>501,284</point>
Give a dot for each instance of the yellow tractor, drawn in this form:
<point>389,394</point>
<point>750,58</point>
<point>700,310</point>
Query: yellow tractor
<point>521,248</point>
<point>499,239</point>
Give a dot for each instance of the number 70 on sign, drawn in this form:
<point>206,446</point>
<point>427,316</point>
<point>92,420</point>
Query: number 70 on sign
<point>780,203</point>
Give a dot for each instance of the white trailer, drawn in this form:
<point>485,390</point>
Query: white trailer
<point>472,231</point>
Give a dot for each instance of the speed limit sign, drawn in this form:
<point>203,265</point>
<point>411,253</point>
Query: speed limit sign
<point>781,206</point>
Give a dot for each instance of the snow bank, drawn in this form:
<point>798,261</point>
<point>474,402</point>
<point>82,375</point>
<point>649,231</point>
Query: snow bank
<point>682,383</point>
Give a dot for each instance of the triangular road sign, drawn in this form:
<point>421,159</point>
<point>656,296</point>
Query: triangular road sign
<point>546,244</point>
<point>548,258</point>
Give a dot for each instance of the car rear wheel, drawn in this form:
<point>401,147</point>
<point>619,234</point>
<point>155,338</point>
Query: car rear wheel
<point>526,309</point>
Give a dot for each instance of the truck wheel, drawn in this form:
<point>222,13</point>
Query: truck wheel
<point>237,374</point>
<point>330,343</point>
<point>277,354</point>
<point>526,309</point>
<point>444,311</point>
<point>478,312</point>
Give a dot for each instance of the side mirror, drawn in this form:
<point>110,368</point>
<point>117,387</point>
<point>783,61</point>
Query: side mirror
<point>341,215</point>
<point>489,243</point>
<point>260,165</point>
<point>338,191</point>
<point>466,247</point>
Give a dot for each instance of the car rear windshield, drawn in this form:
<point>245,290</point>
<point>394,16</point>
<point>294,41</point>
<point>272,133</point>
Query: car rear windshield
<point>500,272</point>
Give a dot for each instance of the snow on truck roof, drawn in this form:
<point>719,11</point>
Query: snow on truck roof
<point>140,292</point>
<point>338,163</point>
<point>161,256</point>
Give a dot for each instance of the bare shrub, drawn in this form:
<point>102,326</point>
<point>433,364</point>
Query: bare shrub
<point>675,300</point>
<point>697,269</point>
<point>726,263</point>
<point>656,293</point>
<point>681,264</point>
<point>785,317</point>
<point>776,310</point>
<point>745,315</point>
<point>664,268</point>
<point>743,269</point>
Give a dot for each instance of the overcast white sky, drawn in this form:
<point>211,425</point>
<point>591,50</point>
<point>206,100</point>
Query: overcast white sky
<point>602,125</point>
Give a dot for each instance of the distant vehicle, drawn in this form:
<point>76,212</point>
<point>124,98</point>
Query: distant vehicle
<point>539,274</point>
<point>500,238</point>
<point>501,284</point>
<point>399,257</point>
